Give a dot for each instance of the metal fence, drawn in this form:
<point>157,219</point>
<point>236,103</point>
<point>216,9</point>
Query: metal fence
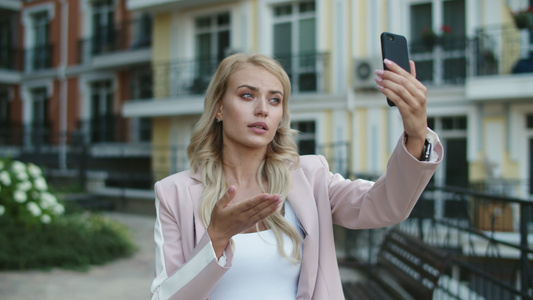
<point>487,236</point>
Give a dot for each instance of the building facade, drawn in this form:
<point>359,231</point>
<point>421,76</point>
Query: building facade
<point>67,69</point>
<point>126,79</point>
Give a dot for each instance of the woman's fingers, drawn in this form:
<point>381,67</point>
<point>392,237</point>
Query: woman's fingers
<point>229,218</point>
<point>228,196</point>
<point>409,95</point>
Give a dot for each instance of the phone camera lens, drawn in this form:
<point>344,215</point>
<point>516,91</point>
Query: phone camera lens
<point>390,38</point>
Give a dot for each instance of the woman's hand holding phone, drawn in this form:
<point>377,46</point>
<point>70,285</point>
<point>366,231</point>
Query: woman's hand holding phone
<point>409,95</point>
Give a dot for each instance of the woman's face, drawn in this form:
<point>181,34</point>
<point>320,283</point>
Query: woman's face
<point>251,108</point>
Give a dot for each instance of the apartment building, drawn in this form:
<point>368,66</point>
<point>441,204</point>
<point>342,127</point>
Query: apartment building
<point>67,67</point>
<point>125,78</point>
<point>466,52</point>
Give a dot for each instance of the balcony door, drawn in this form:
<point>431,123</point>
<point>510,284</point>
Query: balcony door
<point>103,37</point>
<point>452,132</point>
<point>102,119</point>
<point>438,41</point>
<point>40,124</point>
<point>40,55</point>
<point>295,43</point>
<point>6,43</point>
<point>5,124</point>
<point>212,42</point>
<point>306,139</point>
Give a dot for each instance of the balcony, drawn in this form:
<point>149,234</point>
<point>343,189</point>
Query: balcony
<point>502,67</point>
<point>187,80</point>
<point>38,58</point>
<point>11,62</point>
<point>489,57</point>
<point>441,61</point>
<point>128,43</point>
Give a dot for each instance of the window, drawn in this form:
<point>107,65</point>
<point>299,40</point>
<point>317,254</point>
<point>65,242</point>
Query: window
<point>295,43</point>
<point>141,83</point>
<point>5,125</point>
<point>6,42</point>
<point>452,131</point>
<point>4,107</point>
<point>143,32</point>
<point>448,35</point>
<point>40,124</point>
<point>103,26</point>
<point>306,139</point>
<point>102,118</point>
<point>40,55</point>
<point>212,44</point>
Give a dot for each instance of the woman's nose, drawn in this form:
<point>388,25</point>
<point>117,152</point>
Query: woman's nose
<point>261,107</point>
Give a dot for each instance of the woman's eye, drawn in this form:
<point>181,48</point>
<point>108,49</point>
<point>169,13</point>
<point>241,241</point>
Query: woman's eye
<point>248,95</point>
<point>276,100</point>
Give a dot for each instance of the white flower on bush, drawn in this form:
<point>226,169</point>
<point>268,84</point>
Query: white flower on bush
<point>46,219</point>
<point>34,209</point>
<point>18,167</point>
<point>20,196</point>
<point>22,176</point>
<point>5,178</point>
<point>47,200</point>
<point>58,209</point>
<point>24,186</point>
<point>34,170</point>
<point>2,210</point>
<point>40,184</point>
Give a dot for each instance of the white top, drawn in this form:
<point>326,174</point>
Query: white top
<point>258,270</point>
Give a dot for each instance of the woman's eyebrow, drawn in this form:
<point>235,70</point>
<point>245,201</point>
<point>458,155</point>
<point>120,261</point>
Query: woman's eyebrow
<point>253,88</point>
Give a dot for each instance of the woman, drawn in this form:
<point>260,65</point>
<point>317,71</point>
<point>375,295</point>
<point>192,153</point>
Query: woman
<point>253,220</point>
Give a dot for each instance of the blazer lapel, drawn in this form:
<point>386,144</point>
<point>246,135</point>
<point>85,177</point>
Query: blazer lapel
<point>302,201</point>
<point>195,192</point>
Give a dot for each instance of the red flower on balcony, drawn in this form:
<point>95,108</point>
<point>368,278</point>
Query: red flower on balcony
<point>446,29</point>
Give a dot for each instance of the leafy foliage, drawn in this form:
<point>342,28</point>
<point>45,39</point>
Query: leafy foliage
<point>74,242</point>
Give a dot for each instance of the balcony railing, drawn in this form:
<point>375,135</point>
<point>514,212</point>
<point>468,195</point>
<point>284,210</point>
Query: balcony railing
<point>39,58</point>
<point>104,129</point>
<point>128,36</point>
<point>307,71</point>
<point>11,59</point>
<point>496,50</point>
<point>487,237</point>
<point>441,62</point>
<point>191,77</point>
<point>503,50</point>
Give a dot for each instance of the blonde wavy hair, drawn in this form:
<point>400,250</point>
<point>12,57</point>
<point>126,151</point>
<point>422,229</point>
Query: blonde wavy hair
<point>205,149</point>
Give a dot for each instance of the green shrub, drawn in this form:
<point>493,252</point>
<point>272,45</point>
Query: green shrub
<point>35,233</point>
<point>73,242</point>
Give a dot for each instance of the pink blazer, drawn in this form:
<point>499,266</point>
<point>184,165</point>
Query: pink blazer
<point>186,267</point>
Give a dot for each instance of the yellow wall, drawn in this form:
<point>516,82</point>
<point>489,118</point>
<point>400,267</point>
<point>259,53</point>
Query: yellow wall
<point>359,140</point>
<point>161,126</point>
<point>509,169</point>
<point>161,154</point>
<point>161,37</point>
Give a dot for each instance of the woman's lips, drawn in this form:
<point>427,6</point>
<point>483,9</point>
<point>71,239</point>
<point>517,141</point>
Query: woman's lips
<point>258,127</point>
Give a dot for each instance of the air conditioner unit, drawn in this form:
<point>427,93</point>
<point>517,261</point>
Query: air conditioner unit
<point>364,72</point>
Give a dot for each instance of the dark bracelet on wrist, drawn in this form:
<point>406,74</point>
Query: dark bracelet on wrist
<point>427,151</point>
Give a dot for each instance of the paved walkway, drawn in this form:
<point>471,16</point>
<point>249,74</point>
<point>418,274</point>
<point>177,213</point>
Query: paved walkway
<point>128,279</point>
<point>122,279</point>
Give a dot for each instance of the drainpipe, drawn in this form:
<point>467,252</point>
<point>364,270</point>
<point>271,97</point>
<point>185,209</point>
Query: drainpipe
<point>63,101</point>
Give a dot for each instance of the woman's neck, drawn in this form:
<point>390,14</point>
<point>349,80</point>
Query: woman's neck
<point>240,167</point>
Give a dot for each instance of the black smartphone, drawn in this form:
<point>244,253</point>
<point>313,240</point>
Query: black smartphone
<point>394,47</point>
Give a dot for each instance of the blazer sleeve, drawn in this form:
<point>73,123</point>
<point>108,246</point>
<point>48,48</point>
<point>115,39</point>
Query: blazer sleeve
<point>362,204</point>
<point>178,275</point>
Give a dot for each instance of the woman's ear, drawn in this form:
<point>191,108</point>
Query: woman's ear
<point>218,115</point>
